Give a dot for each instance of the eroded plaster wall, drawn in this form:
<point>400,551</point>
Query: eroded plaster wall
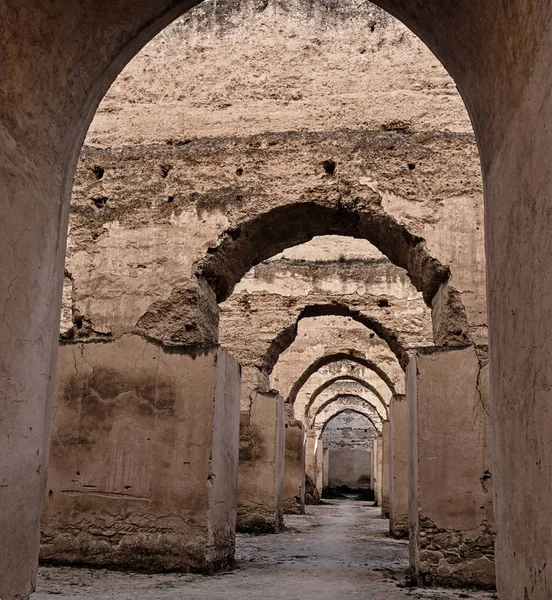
<point>143,465</point>
<point>180,150</point>
<point>348,440</point>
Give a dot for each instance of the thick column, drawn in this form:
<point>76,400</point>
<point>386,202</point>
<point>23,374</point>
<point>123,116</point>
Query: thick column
<point>326,467</point>
<point>450,503</point>
<point>261,466</point>
<point>144,458</point>
<point>294,469</point>
<point>398,466</point>
<point>320,465</point>
<point>310,455</point>
<point>312,495</point>
<point>377,454</point>
<point>373,469</point>
<point>385,470</point>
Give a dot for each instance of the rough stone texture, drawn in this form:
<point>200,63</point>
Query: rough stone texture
<point>276,303</point>
<point>312,444</point>
<point>294,469</point>
<point>137,479</point>
<point>450,506</point>
<point>349,429</point>
<point>377,468</point>
<point>348,444</point>
<point>174,167</point>
<point>338,549</point>
<point>138,185</point>
<point>319,465</point>
<point>261,465</point>
<point>326,468</point>
<point>398,466</point>
<point>322,340</point>
<point>189,227</point>
<point>385,469</point>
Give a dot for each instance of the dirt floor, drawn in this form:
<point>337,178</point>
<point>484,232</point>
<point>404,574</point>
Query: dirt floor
<point>338,550</point>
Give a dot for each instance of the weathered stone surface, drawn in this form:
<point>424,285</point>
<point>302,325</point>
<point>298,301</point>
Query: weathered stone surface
<point>137,480</point>
<point>337,405</point>
<point>272,313</point>
<point>294,470</point>
<point>261,465</point>
<point>450,505</point>
<point>348,447</point>
<point>385,469</point>
<point>338,391</point>
<point>377,468</point>
<point>351,364</point>
<point>398,466</point>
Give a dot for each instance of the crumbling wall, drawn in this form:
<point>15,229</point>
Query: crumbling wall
<point>270,307</point>
<point>143,459</point>
<point>351,429</point>
<point>451,519</point>
<point>348,438</point>
<point>174,158</point>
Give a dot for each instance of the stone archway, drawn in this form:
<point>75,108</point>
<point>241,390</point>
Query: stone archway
<point>332,358</point>
<point>345,378</point>
<point>189,316</point>
<point>338,369</point>
<point>286,337</point>
<point>341,403</point>
<point>60,59</point>
<point>333,392</point>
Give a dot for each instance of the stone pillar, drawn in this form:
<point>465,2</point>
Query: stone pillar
<point>261,466</point>
<point>385,460</point>
<point>311,449</point>
<point>319,465</point>
<point>450,501</point>
<point>310,455</point>
<point>326,468</point>
<point>144,458</point>
<point>373,469</point>
<point>398,466</point>
<point>378,473</point>
<point>294,469</point>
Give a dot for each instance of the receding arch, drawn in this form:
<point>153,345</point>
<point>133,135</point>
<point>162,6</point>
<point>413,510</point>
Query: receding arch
<point>338,378</point>
<point>363,393</point>
<point>332,413</point>
<point>352,356</point>
<point>351,400</point>
<point>339,368</point>
<point>287,336</point>
<point>250,242</point>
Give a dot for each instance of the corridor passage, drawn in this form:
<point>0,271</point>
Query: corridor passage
<point>339,550</point>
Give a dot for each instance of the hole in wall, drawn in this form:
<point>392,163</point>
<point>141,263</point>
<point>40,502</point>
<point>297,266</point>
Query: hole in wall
<point>165,170</point>
<point>329,166</point>
<point>239,171</point>
<point>99,201</point>
<point>98,171</point>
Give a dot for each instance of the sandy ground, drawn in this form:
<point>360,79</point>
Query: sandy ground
<point>338,550</point>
